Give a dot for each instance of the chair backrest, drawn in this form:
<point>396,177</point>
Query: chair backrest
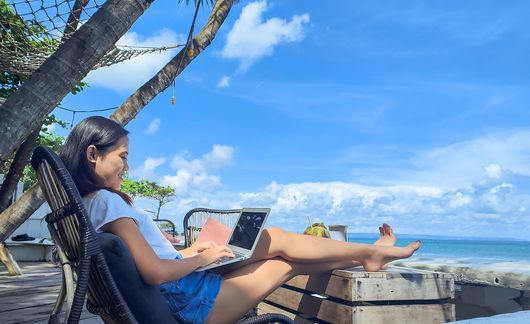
<point>195,219</point>
<point>77,241</point>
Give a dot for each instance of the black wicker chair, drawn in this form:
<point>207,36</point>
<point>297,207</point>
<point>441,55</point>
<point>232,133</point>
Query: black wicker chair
<point>104,270</point>
<point>80,251</point>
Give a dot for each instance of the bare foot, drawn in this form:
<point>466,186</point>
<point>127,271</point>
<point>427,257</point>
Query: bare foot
<point>386,236</point>
<point>382,255</point>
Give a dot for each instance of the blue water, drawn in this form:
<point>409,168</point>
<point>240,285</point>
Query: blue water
<point>505,255</point>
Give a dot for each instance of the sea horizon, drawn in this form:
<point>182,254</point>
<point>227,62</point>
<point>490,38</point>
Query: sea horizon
<point>439,237</point>
<point>492,254</point>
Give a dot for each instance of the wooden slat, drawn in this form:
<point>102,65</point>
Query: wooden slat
<point>432,314</point>
<point>31,283</point>
<point>396,289</point>
<point>22,292</point>
<point>391,272</point>
<point>311,306</point>
<point>378,286</point>
<point>331,311</point>
<point>29,300</point>
<point>40,314</point>
<point>265,308</point>
<point>324,284</point>
<point>28,278</point>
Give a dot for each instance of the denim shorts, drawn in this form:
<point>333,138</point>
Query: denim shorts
<point>191,298</point>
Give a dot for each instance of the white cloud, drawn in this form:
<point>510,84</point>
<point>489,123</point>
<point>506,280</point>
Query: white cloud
<point>194,175</point>
<point>466,162</point>
<point>129,75</point>
<point>493,171</point>
<point>147,169</point>
<point>411,209</point>
<point>493,203</point>
<point>153,126</point>
<point>495,208</point>
<point>220,156</point>
<point>224,82</point>
<point>251,39</point>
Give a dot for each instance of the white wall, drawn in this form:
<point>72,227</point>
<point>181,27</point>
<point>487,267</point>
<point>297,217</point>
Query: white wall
<point>35,225</point>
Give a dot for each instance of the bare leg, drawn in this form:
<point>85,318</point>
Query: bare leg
<point>252,283</point>
<point>275,242</point>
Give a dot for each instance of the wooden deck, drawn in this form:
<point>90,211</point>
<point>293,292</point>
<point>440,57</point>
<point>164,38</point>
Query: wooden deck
<point>30,298</point>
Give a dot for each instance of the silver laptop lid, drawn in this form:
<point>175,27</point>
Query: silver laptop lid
<point>247,230</point>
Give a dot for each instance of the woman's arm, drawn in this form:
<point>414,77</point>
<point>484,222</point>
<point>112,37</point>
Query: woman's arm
<point>169,237</point>
<point>153,269</point>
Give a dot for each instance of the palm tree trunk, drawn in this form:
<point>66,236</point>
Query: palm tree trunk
<point>162,80</point>
<point>15,170</point>
<point>17,213</point>
<point>23,112</point>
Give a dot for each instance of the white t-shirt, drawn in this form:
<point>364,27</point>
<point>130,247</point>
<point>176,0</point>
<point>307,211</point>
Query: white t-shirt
<point>104,206</point>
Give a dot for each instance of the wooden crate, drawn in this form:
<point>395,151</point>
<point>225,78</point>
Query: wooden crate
<point>399,295</point>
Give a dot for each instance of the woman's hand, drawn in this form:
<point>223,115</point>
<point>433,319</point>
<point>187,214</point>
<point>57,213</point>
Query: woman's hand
<point>199,247</point>
<point>214,254</point>
<point>196,248</point>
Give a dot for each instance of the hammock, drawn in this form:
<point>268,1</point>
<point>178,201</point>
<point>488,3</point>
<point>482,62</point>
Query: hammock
<point>31,30</point>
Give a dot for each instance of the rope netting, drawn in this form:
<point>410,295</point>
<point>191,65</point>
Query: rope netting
<point>31,30</point>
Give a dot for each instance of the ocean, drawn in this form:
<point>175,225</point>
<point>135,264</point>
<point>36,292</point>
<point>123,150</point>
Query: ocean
<point>488,254</point>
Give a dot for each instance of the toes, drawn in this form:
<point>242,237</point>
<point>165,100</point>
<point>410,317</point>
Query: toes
<point>415,245</point>
<point>388,229</point>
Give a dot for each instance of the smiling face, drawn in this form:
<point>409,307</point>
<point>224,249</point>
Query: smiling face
<point>110,166</point>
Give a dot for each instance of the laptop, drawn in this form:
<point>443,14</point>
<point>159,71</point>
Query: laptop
<point>244,236</point>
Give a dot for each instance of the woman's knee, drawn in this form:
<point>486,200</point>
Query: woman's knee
<point>276,234</point>
<point>278,240</point>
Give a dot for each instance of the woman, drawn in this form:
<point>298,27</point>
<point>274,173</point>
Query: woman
<point>95,154</point>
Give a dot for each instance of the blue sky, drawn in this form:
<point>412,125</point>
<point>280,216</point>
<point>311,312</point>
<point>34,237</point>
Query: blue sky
<point>412,113</point>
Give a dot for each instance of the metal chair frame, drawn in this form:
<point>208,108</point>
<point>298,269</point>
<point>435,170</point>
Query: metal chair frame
<point>194,221</point>
<point>171,224</point>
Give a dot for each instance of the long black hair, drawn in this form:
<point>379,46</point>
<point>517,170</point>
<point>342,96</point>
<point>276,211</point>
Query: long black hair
<point>101,132</point>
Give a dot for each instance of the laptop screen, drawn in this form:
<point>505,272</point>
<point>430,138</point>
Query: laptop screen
<point>247,229</point>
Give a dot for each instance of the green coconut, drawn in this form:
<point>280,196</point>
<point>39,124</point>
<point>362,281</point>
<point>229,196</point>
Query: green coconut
<point>317,229</point>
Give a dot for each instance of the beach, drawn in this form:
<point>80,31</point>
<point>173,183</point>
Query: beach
<point>492,276</point>
<point>502,255</point>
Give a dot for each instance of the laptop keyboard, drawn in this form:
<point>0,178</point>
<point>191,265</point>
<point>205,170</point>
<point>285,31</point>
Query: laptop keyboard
<point>225,259</point>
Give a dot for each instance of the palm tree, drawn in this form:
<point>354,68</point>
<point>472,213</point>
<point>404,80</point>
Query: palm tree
<point>23,112</point>
<point>32,199</point>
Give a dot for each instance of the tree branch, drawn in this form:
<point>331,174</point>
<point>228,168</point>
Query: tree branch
<point>15,170</point>
<point>163,79</point>
<point>17,213</point>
